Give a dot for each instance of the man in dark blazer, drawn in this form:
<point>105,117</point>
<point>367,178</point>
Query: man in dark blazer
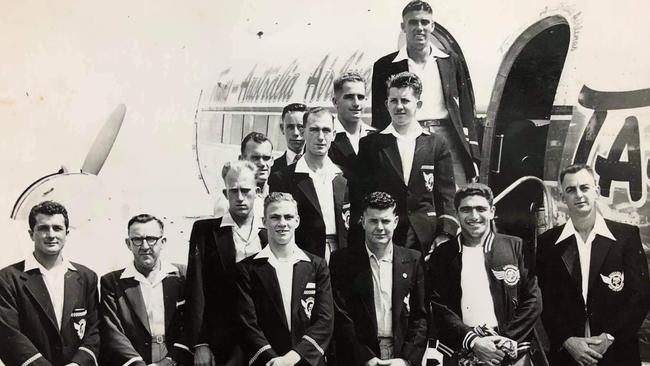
<point>319,187</point>
<point>48,305</point>
<point>349,100</point>
<point>284,297</point>
<point>594,280</point>
<point>379,294</point>
<point>481,278</point>
<point>448,107</point>
<point>142,304</point>
<point>216,245</point>
<point>291,127</point>
<point>413,166</point>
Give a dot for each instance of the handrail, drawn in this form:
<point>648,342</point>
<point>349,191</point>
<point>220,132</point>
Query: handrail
<point>549,204</point>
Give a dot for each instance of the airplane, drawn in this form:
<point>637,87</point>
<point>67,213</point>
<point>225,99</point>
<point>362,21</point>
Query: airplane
<point>555,82</point>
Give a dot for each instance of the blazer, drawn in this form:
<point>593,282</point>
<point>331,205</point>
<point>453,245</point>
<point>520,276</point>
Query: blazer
<point>356,320</point>
<point>618,298</point>
<point>28,324</point>
<point>457,94</point>
<point>264,330</point>
<point>279,163</point>
<point>342,153</point>
<point>210,288</point>
<point>515,295</point>
<point>310,234</point>
<point>427,203</point>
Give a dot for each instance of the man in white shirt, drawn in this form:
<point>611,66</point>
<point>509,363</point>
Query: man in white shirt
<point>291,126</point>
<point>48,305</point>
<point>379,294</point>
<point>320,189</point>
<point>284,297</point>
<point>594,279</point>
<point>142,304</point>
<point>484,299</point>
<point>447,98</point>
<point>216,245</point>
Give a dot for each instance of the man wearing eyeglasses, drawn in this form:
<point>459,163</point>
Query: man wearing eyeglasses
<point>48,305</point>
<point>216,245</point>
<point>291,127</point>
<point>318,186</point>
<point>142,304</point>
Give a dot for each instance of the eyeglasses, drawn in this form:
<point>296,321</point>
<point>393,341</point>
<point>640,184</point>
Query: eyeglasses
<point>151,240</point>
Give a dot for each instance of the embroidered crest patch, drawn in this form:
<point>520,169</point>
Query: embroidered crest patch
<point>80,327</point>
<point>509,274</point>
<point>428,180</point>
<point>345,212</point>
<point>308,305</point>
<point>615,281</point>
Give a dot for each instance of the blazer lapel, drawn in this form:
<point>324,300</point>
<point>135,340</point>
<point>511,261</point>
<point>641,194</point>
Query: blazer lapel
<point>343,144</point>
<point>571,261</point>
<point>37,289</point>
<point>450,89</point>
<point>225,246</point>
<point>301,276</point>
<point>135,299</point>
<point>269,279</point>
<point>392,153</point>
<point>72,290</point>
<point>305,184</point>
<point>363,280</point>
<point>339,184</point>
<point>418,158</point>
<point>400,283</point>
<point>171,291</point>
<point>599,249</point>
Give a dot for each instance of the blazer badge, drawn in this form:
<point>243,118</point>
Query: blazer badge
<point>615,281</point>
<point>427,174</point>
<point>509,274</point>
<point>307,305</point>
<point>80,327</point>
<point>345,212</point>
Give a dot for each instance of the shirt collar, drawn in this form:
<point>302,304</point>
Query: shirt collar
<point>390,130</point>
<point>131,272</point>
<point>290,156</point>
<point>600,228</point>
<point>297,254</point>
<point>31,263</point>
<point>328,167</point>
<point>388,255</point>
<point>363,128</point>
<point>403,54</point>
<point>227,220</point>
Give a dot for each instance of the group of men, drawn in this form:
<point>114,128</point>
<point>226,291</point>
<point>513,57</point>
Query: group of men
<point>354,247</point>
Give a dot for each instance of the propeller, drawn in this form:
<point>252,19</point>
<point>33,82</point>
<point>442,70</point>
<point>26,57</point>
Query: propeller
<point>103,143</point>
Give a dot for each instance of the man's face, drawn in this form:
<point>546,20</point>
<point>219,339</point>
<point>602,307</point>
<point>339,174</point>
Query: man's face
<point>260,155</point>
<point>475,214</point>
<point>402,105</point>
<point>281,220</point>
<point>580,193</point>
<point>241,190</point>
<point>350,101</point>
<point>292,128</point>
<point>379,225</point>
<point>319,134</point>
<point>146,241</point>
<point>417,26</point>
<point>49,234</point>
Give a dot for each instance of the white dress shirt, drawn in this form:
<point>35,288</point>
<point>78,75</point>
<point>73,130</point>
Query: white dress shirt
<point>382,285</point>
<point>291,156</point>
<point>247,242</point>
<point>433,97</point>
<point>152,293</point>
<point>54,279</point>
<point>476,301</point>
<point>322,180</point>
<point>406,147</point>
<point>584,251</point>
<point>284,272</point>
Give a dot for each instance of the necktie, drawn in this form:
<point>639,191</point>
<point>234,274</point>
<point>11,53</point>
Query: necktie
<point>296,158</point>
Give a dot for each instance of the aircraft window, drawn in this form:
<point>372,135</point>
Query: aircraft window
<point>236,129</point>
<point>260,124</point>
<point>248,124</point>
<point>275,134</point>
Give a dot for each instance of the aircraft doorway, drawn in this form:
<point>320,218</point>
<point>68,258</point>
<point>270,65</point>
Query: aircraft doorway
<point>514,139</point>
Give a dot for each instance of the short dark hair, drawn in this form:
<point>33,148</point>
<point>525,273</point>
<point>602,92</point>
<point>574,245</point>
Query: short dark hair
<point>143,219</point>
<point>378,201</point>
<point>257,137</point>
<point>473,189</point>
<point>49,208</point>
<point>315,110</point>
<point>416,5</point>
<point>347,77</point>
<point>293,107</point>
<point>574,168</point>
<point>278,197</point>
<point>405,79</point>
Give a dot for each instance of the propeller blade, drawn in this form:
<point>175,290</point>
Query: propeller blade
<point>104,141</point>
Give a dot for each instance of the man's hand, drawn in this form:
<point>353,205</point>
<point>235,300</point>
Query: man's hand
<point>486,350</point>
<point>604,344</point>
<point>393,362</point>
<point>203,356</point>
<point>580,349</point>
<point>372,362</point>
<point>290,359</point>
